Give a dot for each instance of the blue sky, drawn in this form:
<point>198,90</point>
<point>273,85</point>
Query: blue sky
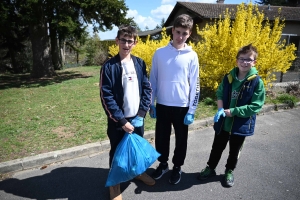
<point>150,12</point>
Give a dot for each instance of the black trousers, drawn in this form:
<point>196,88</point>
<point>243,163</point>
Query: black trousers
<point>115,134</point>
<point>166,116</point>
<point>235,147</point>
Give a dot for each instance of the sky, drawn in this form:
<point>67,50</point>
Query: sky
<point>151,12</point>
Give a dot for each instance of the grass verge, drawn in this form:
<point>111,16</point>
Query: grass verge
<point>43,115</point>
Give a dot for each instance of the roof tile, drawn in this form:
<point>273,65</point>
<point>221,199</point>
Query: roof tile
<point>208,10</point>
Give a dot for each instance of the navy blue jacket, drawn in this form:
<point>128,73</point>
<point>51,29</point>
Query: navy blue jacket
<point>241,126</point>
<point>111,89</point>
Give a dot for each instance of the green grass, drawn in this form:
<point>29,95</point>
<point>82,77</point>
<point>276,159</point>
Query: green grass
<point>43,115</point>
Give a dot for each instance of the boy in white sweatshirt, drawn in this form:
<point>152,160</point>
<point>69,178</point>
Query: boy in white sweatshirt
<point>175,83</point>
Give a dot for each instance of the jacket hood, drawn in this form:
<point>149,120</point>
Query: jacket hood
<point>235,70</point>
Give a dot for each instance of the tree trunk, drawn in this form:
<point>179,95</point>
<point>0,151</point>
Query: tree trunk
<point>55,52</point>
<point>42,63</point>
<point>14,64</point>
<point>62,45</point>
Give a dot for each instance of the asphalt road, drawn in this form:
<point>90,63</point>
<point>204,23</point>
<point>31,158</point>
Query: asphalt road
<point>268,169</point>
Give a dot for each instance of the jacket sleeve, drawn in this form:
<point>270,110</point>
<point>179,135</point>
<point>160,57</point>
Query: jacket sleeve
<point>107,97</point>
<point>146,93</point>
<point>257,102</point>
<point>194,82</point>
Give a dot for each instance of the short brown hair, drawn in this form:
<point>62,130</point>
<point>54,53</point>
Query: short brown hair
<point>184,21</point>
<point>247,49</point>
<point>127,30</point>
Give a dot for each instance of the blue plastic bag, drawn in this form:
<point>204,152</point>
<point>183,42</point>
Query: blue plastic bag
<point>133,156</point>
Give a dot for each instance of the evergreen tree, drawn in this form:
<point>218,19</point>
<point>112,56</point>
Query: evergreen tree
<point>291,3</point>
<point>50,22</point>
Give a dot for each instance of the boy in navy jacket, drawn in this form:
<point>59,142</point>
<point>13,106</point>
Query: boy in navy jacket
<point>125,94</point>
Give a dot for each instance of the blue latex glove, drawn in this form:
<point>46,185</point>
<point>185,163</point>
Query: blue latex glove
<point>137,121</point>
<point>152,111</point>
<point>218,114</point>
<point>188,119</point>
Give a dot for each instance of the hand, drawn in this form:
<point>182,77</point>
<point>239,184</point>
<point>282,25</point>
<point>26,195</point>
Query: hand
<point>218,114</point>
<point>152,112</point>
<point>128,128</point>
<point>188,119</point>
<point>137,121</point>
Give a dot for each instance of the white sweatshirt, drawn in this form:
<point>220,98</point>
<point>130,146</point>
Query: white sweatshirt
<point>174,77</point>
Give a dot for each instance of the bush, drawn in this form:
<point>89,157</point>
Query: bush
<point>287,99</point>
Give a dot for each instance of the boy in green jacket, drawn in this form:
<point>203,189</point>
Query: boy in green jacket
<point>240,96</point>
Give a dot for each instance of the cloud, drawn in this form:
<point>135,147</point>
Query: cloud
<point>162,11</point>
<point>199,1</point>
<point>167,1</point>
<point>142,21</point>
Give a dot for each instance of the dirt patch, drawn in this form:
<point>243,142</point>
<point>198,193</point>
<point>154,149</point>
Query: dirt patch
<point>62,132</point>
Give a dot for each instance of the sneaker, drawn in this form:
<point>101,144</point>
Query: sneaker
<point>146,179</point>
<point>115,192</point>
<point>175,176</point>
<point>206,173</point>
<point>160,171</point>
<point>228,178</point>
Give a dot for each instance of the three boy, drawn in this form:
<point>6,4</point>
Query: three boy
<point>175,83</point>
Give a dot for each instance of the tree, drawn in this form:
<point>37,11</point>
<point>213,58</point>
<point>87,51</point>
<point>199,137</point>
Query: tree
<point>221,40</point>
<point>162,22</point>
<point>51,21</point>
<point>291,3</point>
<point>13,36</point>
<point>93,45</point>
<point>134,24</point>
<point>161,25</point>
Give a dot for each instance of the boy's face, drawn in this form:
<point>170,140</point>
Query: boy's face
<point>245,62</point>
<point>180,35</point>
<point>125,44</point>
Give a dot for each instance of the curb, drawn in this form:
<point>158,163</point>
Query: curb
<point>98,147</point>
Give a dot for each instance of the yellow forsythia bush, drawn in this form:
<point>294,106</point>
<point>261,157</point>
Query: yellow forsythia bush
<point>222,39</point>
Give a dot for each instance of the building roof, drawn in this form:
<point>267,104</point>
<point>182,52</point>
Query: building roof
<point>151,32</point>
<point>213,11</point>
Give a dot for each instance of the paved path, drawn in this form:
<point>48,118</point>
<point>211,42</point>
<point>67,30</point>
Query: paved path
<point>268,170</point>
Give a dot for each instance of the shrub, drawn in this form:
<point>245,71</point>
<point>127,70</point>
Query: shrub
<point>221,41</point>
<point>288,99</point>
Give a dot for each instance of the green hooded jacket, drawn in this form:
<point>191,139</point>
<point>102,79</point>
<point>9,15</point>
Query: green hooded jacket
<point>257,100</point>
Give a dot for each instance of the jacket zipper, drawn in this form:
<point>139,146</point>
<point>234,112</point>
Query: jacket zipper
<point>240,94</point>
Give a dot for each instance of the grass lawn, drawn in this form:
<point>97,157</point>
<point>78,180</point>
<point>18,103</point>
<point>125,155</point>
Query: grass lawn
<point>43,115</point>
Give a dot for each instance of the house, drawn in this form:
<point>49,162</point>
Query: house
<point>203,13</point>
<point>153,33</point>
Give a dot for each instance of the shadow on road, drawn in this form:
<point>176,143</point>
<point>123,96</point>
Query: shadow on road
<point>88,183</point>
<point>65,182</point>
<point>188,180</point>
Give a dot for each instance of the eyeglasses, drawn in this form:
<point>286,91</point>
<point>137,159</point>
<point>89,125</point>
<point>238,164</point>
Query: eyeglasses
<point>247,61</point>
<point>123,41</point>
